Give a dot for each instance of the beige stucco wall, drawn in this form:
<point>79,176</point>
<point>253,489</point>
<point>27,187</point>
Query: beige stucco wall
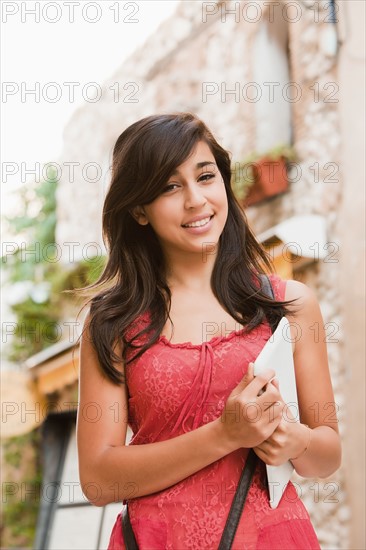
<point>169,72</point>
<point>351,225</point>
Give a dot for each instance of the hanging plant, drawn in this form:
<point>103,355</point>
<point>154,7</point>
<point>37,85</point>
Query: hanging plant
<point>261,176</point>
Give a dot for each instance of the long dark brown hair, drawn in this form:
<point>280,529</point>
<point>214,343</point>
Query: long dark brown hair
<point>134,279</point>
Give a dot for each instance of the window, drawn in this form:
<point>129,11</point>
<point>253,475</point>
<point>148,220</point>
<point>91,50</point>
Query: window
<point>271,74</point>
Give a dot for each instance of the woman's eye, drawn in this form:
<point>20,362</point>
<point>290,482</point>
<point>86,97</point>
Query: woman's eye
<point>206,177</point>
<point>169,187</point>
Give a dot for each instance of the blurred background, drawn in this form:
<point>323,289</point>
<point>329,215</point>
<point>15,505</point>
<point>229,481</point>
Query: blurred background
<point>281,85</point>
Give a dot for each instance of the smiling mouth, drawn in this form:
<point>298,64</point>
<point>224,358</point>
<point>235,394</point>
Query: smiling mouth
<point>200,223</point>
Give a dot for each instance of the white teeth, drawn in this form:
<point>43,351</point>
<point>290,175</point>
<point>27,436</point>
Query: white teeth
<point>199,223</point>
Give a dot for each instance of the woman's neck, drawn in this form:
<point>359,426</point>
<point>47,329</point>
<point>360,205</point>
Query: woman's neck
<point>191,272</point>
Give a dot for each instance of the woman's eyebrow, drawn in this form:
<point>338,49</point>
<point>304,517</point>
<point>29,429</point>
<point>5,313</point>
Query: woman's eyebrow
<point>205,163</point>
<point>198,165</point>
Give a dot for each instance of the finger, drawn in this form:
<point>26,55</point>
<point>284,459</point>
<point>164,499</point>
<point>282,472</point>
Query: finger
<point>260,453</point>
<point>269,396</point>
<point>266,458</point>
<point>280,426</point>
<point>274,412</point>
<point>264,447</point>
<point>272,417</point>
<point>250,371</point>
<point>288,415</point>
<point>246,380</point>
<point>265,388</point>
<point>260,381</point>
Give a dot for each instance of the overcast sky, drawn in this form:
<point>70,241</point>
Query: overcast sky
<point>63,41</point>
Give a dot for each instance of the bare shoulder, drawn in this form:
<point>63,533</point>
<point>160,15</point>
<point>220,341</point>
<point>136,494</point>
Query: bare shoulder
<point>88,348</point>
<point>296,289</point>
<point>306,298</point>
<point>306,315</point>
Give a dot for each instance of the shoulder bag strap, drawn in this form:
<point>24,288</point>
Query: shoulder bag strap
<point>128,534</point>
<point>246,477</point>
<point>267,287</point>
<point>239,499</point>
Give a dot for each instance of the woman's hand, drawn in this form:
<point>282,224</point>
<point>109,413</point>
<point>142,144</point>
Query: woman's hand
<point>252,411</point>
<point>289,440</point>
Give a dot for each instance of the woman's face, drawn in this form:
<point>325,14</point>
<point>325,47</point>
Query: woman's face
<point>190,213</point>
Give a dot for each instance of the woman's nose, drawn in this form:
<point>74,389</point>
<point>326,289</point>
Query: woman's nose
<point>194,196</point>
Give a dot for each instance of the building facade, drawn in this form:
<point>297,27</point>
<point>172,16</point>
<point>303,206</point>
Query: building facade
<point>259,74</point>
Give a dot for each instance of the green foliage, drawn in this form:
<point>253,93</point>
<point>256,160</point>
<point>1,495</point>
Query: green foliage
<point>34,266</point>
<point>282,150</point>
<point>20,505</point>
<point>14,447</point>
<point>86,272</point>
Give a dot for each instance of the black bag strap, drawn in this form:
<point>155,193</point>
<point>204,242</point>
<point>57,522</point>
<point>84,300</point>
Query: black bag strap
<point>128,534</point>
<point>239,499</point>
<point>246,477</point>
<point>241,492</point>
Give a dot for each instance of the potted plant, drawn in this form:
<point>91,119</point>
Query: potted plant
<point>261,176</point>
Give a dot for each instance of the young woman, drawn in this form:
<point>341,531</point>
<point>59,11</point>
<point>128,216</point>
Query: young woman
<point>168,346</point>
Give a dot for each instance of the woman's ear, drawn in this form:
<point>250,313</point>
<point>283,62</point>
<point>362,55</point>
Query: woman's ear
<point>138,213</point>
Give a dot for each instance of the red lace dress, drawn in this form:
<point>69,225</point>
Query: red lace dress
<point>175,388</point>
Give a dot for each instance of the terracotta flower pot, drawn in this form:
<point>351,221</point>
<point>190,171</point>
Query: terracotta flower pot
<point>270,179</point>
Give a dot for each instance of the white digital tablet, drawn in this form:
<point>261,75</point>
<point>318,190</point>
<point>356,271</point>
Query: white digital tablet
<point>277,354</point>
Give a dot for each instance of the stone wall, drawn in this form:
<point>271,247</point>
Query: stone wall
<point>169,72</point>
<point>317,138</point>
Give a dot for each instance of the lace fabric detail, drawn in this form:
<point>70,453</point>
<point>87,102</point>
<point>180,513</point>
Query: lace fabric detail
<point>175,388</point>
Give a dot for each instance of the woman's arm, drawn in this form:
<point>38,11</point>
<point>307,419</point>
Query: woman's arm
<point>111,471</point>
<point>314,444</point>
